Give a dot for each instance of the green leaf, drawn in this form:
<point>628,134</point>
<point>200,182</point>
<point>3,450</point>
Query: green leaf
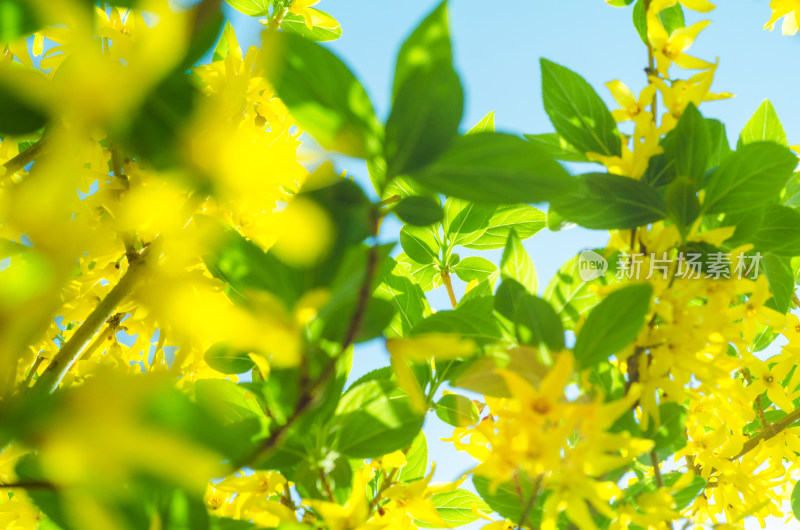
<point>244,265</point>
<point>683,498</point>
<point>373,419</point>
<point>671,18</point>
<point>619,3</point>
<point>683,206</point>
<point>523,219</point>
<point>557,147</point>
<point>781,281</point>
<point>571,295</point>
<point>465,221</point>
<point>517,265</point>
<point>419,243</point>
<point>297,24</point>
<point>613,324</point>
<point>485,125</point>
<point>795,501</point>
<point>687,149</point>
<point>669,436</point>
<point>535,321</point>
<point>428,100</point>
<point>604,201</point>
<point>419,211</point>
<point>17,116</point>
<point>323,95</point>
<point>308,478</point>
<point>156,128</point>
<point>720,149</point>
<point>455,508</point>
<point>577,112</point>
<point>230,402</point>
<point>495,168</point>
<point>791,195</point>
<point>428,45</point>
<point>223,358</point>
<point>408,298</point>
<point>763,126</point>
<point>17,19</point>
<point>424,119</point>
<point>253,8</point>
<point>474,268</point>
<point>426,275</point>
<point>753,175</point>
<point>779,232</point>
<point>505,499</point>
<point>457,410</point>
<point>416,459</point>
<point>221,50</point>
<point>470,320</point>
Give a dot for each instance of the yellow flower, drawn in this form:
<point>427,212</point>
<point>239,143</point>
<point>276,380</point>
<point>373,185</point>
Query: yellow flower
<point>669,48</point>
<point>313,17</point>
<point>769,379</point>
<point>355,512</point>
<point>789,10</point>
<point>415,498</point>
<point>632,108</point>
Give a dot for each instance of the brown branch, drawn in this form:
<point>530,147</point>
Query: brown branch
<point>71,351</point>
<point>768,432</point>
<point>29,485</point>
<point>309,396</point>
<point>23,159</point>
<point>526,511</point>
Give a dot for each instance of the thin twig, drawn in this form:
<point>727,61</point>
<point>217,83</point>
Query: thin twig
<point>449,285</point>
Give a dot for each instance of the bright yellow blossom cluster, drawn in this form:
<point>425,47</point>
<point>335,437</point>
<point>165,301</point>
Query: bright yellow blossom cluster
<point>537,434</point>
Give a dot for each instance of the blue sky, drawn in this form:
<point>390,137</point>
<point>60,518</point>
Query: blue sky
<point>497,48</point>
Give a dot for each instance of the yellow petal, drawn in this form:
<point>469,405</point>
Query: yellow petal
<point>621,93</point>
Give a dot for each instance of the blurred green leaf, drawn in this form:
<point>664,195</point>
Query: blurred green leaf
<point>373,419</point>
<point>322,94</point>
<point>523,219</point>
<point>428,99</point>
<point>419,243</point>
<point>17,116</point>
<point>517,265</point>
<point>296,24</point>
<point>495,168</point>
<point>456,410</point>
<point>474,268</point>
<point>557,147</point>
<point>253,8</point>
<point>419,211</point>
<point>534,320</point>
<point>228,360</point>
